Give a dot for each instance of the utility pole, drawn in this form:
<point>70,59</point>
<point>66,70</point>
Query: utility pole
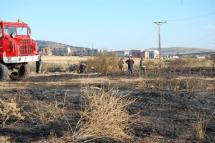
<point>158,23</point>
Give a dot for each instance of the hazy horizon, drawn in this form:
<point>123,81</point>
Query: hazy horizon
<point>117,25</point>
<point>131,49</point>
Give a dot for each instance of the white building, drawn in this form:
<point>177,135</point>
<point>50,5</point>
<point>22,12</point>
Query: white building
<point>67,51</point>
<point>153,54</point>
<point>200,57</point>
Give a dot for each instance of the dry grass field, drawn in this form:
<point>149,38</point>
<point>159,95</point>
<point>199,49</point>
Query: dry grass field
<point>64,59</point>
<point>176,106</point>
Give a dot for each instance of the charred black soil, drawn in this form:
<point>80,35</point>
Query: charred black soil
<point>159,115</point>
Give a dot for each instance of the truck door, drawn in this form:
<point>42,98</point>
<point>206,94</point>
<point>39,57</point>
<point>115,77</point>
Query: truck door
<point>1,41</point>
<point>1,35</point>
<point>8,41</point>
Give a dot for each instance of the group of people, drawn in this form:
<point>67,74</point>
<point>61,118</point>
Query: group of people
<point>130,64</point>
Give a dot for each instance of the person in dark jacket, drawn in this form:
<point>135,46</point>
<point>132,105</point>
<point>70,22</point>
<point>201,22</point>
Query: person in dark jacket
<point>39,65</point>
<point>130,63</point>
<point>82,68</point>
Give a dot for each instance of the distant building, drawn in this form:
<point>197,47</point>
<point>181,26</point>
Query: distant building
<point>140,53</point>
<point>58,51</point>
<point>92,52</point>
<point>46,51</point>
<point>170,57</point>
<point>67,51</point>
<point>126,53</point>
<point>135,53</point>
<point>153,54</point>
<point>145,54</point>
<point>86,52</point>
<point>200,57</point>
<point>119,53</point>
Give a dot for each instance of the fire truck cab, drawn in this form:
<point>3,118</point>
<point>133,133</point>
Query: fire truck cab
<point>17,49</point>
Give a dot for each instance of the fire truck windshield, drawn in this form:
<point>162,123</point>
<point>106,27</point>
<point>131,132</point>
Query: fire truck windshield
<point>8,30</point>
<point>22,30</point>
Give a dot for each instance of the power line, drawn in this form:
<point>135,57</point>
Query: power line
<point>192,17</point>
<point>182,2</point>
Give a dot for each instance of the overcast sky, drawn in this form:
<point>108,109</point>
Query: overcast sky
<point>117,24</point>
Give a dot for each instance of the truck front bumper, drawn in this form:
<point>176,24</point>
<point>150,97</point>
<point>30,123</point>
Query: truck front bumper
<point>21,59</point>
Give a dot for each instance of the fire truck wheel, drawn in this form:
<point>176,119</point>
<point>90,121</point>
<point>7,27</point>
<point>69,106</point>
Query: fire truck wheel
<point>3,73</point>
<point>23,73</point>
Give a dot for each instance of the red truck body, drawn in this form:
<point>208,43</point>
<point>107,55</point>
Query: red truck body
<point>17,49</point>
<point>16,45</point>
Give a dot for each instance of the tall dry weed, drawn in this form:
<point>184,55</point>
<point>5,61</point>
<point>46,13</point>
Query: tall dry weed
<point>189,62</point>
<point>105,116</point>
<point>103,63</point>
<point>200,126</point>
<point>46,112</point>
<point>9,110</point>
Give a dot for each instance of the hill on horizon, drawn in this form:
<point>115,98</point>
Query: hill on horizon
<point>183,50</point>
<point>43,44</point>
<point>164,51</point>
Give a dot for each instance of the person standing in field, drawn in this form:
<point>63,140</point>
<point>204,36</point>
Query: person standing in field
<point>39,64</point>
<point>130,63</point>
<point>121,64</point>
<point>82,68</point>
<point>142,66</point>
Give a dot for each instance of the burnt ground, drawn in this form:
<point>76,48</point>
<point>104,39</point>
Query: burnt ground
<point>160,115</point>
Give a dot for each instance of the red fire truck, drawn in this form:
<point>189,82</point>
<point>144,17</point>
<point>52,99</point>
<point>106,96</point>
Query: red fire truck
<point>17,49</point>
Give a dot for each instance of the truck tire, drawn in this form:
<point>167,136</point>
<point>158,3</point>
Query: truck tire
<point>22,74</point>
<point>3,73</point>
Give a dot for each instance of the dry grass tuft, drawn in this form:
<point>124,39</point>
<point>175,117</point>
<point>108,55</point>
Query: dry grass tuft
<point>103,63</point>
<point>46,112</point>
<point>9,110</point>
<point>190,62</point>
<point>5,139</point>
<point>105,116</point>
<point>200,127</point>
<point>174,84</point>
